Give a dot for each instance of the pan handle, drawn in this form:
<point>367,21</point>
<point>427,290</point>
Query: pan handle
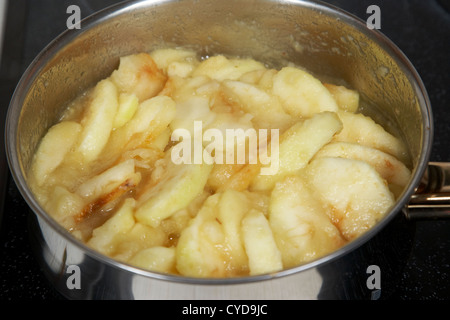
<point>432,197</point>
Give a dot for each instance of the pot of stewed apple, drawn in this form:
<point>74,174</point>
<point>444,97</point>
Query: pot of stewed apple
<point>206,149</point>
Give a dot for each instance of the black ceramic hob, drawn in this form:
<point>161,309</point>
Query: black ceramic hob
<point>421,29</point>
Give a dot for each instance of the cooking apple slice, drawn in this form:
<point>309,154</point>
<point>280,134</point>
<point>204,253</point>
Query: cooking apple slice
<point>302,229</point>
<point>346,99</point>
<point>138,74</point>
<point>297,146</point>
<point>178,185</point>
<point>355,195</point>
<point>390,168</point>
<point>98,122</point>
<point>301,93</point>
<point>260,246</point>
<point>160,259</point>
<point>175,62</point>
<point>55,145</point>
<point>266,109</point>
<point>212,245</point>
<point>199,251</point>
<point>128,104</point>
<point>121,222</point>
<point>221,68</point>
<point>361,129</point>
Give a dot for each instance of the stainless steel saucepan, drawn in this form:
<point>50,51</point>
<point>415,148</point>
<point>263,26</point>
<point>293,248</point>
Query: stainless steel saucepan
<point>326,40</point>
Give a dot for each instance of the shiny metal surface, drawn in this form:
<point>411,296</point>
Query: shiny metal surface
<point>326,40</point>
<point>330,278</point>
<point>432,197</point>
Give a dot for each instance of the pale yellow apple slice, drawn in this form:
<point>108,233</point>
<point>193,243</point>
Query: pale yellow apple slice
<point>355,195</point>
<point>302,229</point>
